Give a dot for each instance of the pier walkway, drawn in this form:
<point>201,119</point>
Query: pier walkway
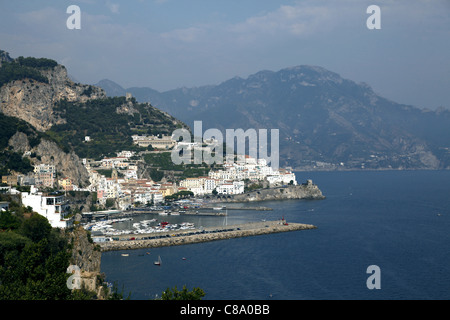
<point>182,237</point>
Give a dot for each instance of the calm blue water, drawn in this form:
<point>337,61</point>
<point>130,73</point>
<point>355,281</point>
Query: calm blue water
<point>399,221</point>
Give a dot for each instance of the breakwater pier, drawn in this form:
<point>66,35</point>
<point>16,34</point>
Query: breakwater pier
<point>182,237</point>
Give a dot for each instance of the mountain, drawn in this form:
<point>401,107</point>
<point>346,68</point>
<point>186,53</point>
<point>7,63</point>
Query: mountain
<point>111,88</point>
<point>325,121</point>
<point>45,117</point>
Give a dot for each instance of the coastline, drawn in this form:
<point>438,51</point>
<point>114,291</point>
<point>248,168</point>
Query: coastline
<point>306,191</point>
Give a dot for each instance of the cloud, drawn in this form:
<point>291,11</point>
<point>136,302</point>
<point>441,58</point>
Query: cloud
<point>113,7</point>
<point>187,35</point>
<point>202,50</point>
<point>296,20</point>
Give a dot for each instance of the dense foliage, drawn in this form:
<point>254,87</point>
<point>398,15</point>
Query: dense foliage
<point>39,63</point>
<point>12,161</point>
<point>110,131</point>
<point>33,259</point>
<point>184,294</point>
<point>9,126</point>
<point>25,68</point>
<point>9,160</point>
<point>180,195</point>
<point>160,162</point>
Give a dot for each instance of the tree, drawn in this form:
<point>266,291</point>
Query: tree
<point>8,221</point>
<point>34,259</point>
<point>184,294</point>
<point>110,203</point>
<point>156,175</point>
<point>36,228</point>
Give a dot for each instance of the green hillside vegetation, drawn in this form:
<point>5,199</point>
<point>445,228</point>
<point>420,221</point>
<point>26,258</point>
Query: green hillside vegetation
<point>34,258</point>
<point>25,68</point>
<point>39,63</point>
<point>110,132</point>
<point>160,162</point>
<point>10,160</point>
<point>10,125</point>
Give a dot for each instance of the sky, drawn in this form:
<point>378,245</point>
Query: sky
<point>168,44</point>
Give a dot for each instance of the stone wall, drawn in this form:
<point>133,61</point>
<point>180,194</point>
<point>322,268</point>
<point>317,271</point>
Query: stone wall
<point>229,232</point>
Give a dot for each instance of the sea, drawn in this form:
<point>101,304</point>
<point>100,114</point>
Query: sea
<point>397,221</point>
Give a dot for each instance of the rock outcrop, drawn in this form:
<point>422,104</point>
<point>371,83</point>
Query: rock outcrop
<point>87,256</point>
<point>19,142</point>
<point>67,164</point>
<point>34,101</point>
<point>307,191</point>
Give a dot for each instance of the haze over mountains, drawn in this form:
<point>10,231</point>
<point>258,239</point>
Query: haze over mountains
<point>325,121</point>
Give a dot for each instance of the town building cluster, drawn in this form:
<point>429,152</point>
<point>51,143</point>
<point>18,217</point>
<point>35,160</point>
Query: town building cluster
<point>231,179</point>
<point>117,183</point>
<point>126,188</point>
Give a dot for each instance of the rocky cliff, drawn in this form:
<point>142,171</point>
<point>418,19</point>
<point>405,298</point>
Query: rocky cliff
<point>67,164</point>
<point>56,114</point>
<point>87,256</point>
<point>34,101</point>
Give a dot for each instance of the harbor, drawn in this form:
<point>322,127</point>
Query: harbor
<point>191,236</point>
<point>186,223</point>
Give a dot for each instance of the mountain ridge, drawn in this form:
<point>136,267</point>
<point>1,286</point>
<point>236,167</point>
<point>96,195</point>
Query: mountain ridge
<point>325,121</point>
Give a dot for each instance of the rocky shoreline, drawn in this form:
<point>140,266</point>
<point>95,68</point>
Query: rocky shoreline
<point>306,191</point>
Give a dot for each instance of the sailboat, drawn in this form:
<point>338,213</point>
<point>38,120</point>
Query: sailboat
<point>158,263</point>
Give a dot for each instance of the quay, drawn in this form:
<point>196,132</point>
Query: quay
<point>183,237</point>
<point>239,208</point>
<point>201,211</point>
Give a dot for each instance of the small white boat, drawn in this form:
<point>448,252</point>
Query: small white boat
<point>158,263</point>
<point>125,254</point>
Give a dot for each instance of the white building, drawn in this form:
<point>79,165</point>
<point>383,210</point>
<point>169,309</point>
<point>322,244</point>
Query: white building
<point>210,185</point>
<point>53,207</point>
<point>126,154</point>
<point>163,142</point>
<point>116,162</point>
<point>157,197</point>
<point>234,187</point>
<point>198,191</point>
<point>282,178</point>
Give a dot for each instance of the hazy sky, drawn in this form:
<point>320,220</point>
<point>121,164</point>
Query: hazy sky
<point>166,44</point>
